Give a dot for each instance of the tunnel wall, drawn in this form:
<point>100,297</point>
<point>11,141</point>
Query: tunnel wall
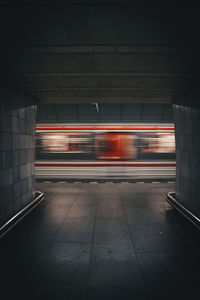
<point>112,112</point>
<point>17,128</point>
<point>187,131</point>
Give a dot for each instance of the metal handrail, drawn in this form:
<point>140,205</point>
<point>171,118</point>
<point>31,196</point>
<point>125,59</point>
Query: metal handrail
<point>184,211</point>
<point>21,214</point>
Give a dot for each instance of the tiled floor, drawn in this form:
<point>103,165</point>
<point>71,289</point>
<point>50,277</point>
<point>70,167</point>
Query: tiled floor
<point>101,241</point>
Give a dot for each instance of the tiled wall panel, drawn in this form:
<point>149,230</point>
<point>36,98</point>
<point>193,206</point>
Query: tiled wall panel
<point>187,131</point>
<point>17,129</point>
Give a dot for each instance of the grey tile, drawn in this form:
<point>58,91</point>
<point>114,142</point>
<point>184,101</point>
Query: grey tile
<point>10,209</point>
<point>15,125</point>
<point>76,230</point>
<point>18,203</point>
<point>8,194</point>
<point>139,215</point>
<point>85,199</point>
<point>7,141</point>
<point>134,188</point>
<point>60,252</point>
<point>8,177</point>
<point>53,217</point>
<point>8,159</point>
<point>16,158</point>
<point>59,201</point>
<point>106,198</point>
<point>109,202</point>
<point>152,238</point>
<point>81,211</point>
<point>6,123</point>
<point>184,235</point>
<point>66,189</point>
<point>22,171</point>
<point>111,232</point>
<point>113,266</point>
<point>2,178</point>
<point>16,174</point>
<point>2,165</point>
<point>22,157</point>
<point>107,188</point>
<point>67,263</point>
<point>134,201</point>
<point>162,272</point>
<point>166,215</point>
<point>109,212</point>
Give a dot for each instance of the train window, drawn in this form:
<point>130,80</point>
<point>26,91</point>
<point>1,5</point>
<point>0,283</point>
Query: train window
<point>64,143</point>
<point>158,143</point>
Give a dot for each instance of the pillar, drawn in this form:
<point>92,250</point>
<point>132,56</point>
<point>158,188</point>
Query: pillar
<point>17,129</point>
<point>187,132</point>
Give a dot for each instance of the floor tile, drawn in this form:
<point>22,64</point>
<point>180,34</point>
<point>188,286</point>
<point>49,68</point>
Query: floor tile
<point>67,263</point>
<point>101,241</point>
<point>112,231</point>
<point>151,238</point>
<point>114,267</point>
<point>76,230</point>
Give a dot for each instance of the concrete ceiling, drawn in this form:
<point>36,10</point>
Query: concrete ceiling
<point>112,112</point>
<point>101,51</point>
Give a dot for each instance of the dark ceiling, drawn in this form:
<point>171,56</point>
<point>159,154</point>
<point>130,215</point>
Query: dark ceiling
<point>101,51</point>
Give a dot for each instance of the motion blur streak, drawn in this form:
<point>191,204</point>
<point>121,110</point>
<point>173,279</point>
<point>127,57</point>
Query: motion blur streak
<point>105,151</point>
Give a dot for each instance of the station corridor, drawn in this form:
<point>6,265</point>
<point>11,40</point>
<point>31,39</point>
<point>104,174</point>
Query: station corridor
<point>101,241</point>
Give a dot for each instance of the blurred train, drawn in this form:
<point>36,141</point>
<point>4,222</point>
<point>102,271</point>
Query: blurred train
<point>93,151</point>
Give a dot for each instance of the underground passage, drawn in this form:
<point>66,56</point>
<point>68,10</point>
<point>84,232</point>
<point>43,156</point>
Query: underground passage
<point>99,149</point>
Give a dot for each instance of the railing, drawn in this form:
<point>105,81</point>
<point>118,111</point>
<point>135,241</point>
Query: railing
<point>184,211</point>
<point>21,214</point>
